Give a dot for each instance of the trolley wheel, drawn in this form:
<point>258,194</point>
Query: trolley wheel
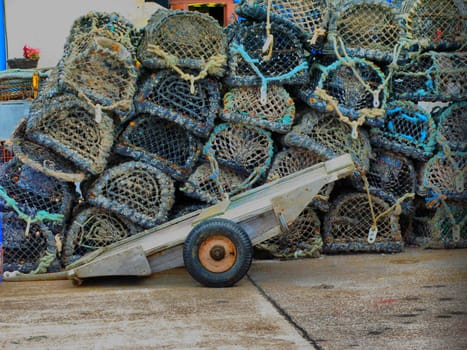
<point>217,253</point>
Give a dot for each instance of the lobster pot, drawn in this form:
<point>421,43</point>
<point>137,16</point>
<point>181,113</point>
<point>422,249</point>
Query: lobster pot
<point>308,17</point>
<point>68,126</point>
<point>244,148</point>
<point>104,74</point>
<point>422,231</point>
<point>347,224</point>
<point>42,158</point>
<point>160,143</point>
<point>452,126</point>
<point>437,24</point>
<point>302,240</point>
<point>444,174</point>
<point>390,177</point>
<point>93,228</point>
<point>95,24</point>
<point>212,186</point>
<point>368,29</point>
<point>138,191</point>
<point>293,159</point>
<point>407,129</point>
<point>183,39</point>
<point>23,252</point>
<point>449,224</point>
<point>249,65</point>
<point>168,96</point>
<point>243,105</point>
<point>37,196</point>
<point>349,86</point>
<point>446,228</point>
<point>432,76</point>
<point>328,137</point>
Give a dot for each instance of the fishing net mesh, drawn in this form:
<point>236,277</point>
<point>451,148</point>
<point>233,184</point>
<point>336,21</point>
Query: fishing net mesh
<point>347,224</point>
<point>291,160</point>
<point>103,74</point>
<point>390,177</point>
<point>161,143</point>
<point>92,228</point>
<point>356,89</point>
<point>302,240</point>
<point>168,96</point>
<point>445,228</point>
<point>183,39</point>
<point>69,127</point>
<point>444,174</point>
<point>136,190</point>
<point>36,196</point>
<point>310,16</point>
<point>452,127</point>
<point>328,137</point>
<point>23,251</point>
<point>437,24</point>
<point>243,105</point>
<point>248,65</point>
<point>432,76</point>
<point>244,148</point>
<point>101,24</point>
<point>209,186</point>
<point>42,158</point>
<point>407,129</point>
<point>368,29</point>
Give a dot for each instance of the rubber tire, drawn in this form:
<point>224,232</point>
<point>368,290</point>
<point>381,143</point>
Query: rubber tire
<point>229,229</point>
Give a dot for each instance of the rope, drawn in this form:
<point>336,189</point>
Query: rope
<point>41,215</point>
<point>237,48</point>
<point>215,174</point>
<point>347,61</point>
<point>396,208</point>
<point>214,64</point>
<point>268,44</point>
<point>44,262</point>
<point>354,124</point>
<point>459,177</point>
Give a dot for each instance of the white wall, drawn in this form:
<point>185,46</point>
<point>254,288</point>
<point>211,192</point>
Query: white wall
<point>45,24</point>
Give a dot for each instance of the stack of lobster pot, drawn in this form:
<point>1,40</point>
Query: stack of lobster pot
<point>434,77</point>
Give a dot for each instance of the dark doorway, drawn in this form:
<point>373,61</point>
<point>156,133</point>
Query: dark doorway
<point>214,10</point>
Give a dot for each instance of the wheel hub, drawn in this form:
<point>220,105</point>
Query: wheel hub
<point>217,253</point>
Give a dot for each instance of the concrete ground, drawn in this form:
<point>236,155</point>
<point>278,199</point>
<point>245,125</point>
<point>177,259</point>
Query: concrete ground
<point>412,300</point>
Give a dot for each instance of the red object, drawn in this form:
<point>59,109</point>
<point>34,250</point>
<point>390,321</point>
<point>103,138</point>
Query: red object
<point>5,155</point>
<point>30,52</point>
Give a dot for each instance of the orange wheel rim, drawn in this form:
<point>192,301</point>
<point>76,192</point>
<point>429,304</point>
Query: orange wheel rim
<point>217,253</point>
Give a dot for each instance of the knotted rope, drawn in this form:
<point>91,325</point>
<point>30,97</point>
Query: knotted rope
<point>215,63</point>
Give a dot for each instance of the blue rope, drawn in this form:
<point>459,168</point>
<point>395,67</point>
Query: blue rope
<point>237,48</point>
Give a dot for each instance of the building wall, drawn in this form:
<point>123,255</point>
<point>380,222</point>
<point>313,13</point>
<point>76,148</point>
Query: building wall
<point>45,24</point>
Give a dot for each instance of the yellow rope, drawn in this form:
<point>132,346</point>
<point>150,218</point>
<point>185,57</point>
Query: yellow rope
<point>319,32</point>
<point>354,124</point>
<point>268,44</point>
<point>215,63</point>
<point>396,207</point>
